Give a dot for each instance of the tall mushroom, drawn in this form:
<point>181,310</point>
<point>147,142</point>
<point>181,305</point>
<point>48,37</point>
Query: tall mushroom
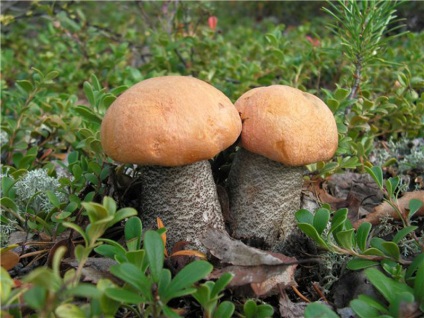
<point>171,126</point>
<point>283,130</point>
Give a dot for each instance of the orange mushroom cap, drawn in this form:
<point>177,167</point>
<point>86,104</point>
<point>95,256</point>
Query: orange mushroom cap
<point>287,125</point>
<point>169,121</point>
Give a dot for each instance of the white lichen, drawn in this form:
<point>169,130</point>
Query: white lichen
<point>31,191</point>
<point>4,138</point>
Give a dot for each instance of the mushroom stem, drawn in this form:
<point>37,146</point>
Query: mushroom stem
<point>184,197</point>
<point>264,195</point>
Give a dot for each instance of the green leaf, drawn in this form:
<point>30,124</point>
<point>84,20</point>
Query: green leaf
<point>345,238</point>
<point>51,75</point>
<point>154,248</point>
<point>88,91</point>
<point>123,214</point>
<point>377,174</point>
<point>221,283</point>
<point>310,231</point>
<point>264,311</point>
<point>164,281</point>
<point>338,220</point>
<point>403,233</point>
<point>319,310</point>
<point>45,278</point>
<point>249,308</point>
<point>304,216</point>
<point>109,250</point>
<point>373,251</point>
<point>417,263</point>
<point>402,301</point>
<point>25,85</point>
<point>414,206</point>
<point>133,232</point>
<point>391,185</point>
<point>84,290</point>
<point>80,252</point>
<point>132,275</point>
<point>124,296</point>
<point>78,229</point>
<point>88,114</point>
<point>8,203</point>
<point>391,249</point>
<point>95,211</point>
<point>137,258</point>
<point>95,81</point>
<point>118,90</point>
<point>203,296</point>
<point>224,310</point>
<point>362,235</point>
<point>110,205</point>
<point>169,313</point>
<point>320,220</point>
<point>185,278</point>
<point>341,94</point>
<point>36,297</point>
<point>418,285</point>
<point>69,311</point>
<point>54,200</point>
<point>359,263</point>
<point>365,308</point>
<point>387,286</point>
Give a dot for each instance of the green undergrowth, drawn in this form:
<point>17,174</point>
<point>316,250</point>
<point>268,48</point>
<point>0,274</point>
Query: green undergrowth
<point>63,64</point>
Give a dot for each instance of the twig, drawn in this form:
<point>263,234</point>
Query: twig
<point>298,293</point>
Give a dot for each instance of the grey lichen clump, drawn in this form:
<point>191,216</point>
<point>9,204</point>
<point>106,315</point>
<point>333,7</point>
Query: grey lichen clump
<point>31,191</point>
<point>185,199</point>
<point>264,195</point>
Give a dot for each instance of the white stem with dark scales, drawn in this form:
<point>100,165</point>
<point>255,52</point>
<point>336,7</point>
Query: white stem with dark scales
<point>264,196</point>
<point>185,198</point>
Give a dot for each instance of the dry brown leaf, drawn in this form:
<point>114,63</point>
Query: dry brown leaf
<point>316,187</point>
<point>189,253</point>
<point>384,210</point>
<point>263,271</point>
<point>235,252</point>
<point>289,309</point>
<point>282,280</point>
<point>9,259</point>
<point>94,269</point>
<point>68,244</point>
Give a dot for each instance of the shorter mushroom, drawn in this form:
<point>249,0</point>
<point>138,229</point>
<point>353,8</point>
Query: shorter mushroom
<point>171,126</point>
<point>283,130</point>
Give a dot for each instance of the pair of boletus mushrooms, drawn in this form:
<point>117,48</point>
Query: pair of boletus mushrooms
<point>172,125</point>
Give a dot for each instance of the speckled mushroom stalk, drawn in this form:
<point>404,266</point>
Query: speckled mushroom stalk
<point>263,197</point>
<point>184,197</point>
<point>171,126</point>
<point>283,130</point>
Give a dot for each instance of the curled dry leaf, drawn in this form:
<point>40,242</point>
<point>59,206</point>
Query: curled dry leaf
<point>9,259</point>
<point>69,250</point>
<point>384,210</point>
<point>263,271</point>
<point>235,252</point>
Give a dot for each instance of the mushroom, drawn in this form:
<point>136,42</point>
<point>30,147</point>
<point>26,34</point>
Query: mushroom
<point>283,130</point>
<point>171,126</point>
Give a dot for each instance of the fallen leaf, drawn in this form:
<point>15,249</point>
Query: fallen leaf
<point>9,259</point>
<point>64,242</point>
<point>384,210</point>
<point>94,269</point>
<point>235,252</point>
<point>264,272</point>
<point>289,309</point>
